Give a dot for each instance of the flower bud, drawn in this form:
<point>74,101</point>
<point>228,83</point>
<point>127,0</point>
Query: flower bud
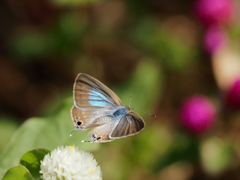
<point>215,38</point>
<point>214,11</point>
<point>233,95</point>
<point>197,114</point>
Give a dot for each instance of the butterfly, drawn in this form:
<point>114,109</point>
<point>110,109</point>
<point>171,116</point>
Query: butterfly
<point>98,107</point>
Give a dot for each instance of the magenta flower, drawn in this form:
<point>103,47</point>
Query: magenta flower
<point>233,95</point>
<point>197,114</point>
<point>214,11</point>
<point>215,38</point>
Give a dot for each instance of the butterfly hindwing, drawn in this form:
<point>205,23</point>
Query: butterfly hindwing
<point>124,126</point>
<point>101,133</point>
<point>128,125</point>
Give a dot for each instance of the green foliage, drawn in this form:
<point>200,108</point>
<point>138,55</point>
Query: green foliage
<point>50,132</point>
<point>144,85</point>
<point>30,166</point>
<point>73,2</point>
<point>216,154</point>
<point>63,39</point>
<point>19,173</point>
<point>8,126</point>
<point>158,42</point>
<point>33,45</point>
<point>31,160</point>
<point>183,148</point>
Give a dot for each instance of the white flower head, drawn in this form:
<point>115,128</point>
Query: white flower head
<point>69,163</point>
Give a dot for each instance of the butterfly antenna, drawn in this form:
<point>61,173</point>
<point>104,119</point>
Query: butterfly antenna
<point>146,113</point>
<point>130,101</point>
<point>72,132</point>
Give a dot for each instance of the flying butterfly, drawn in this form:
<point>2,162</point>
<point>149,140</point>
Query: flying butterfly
<point>98,107</point>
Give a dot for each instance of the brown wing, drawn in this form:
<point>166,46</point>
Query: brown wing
<point>83,119</point>
<point>89,94</point>
<point>101,133</point>
<point>128,125</point>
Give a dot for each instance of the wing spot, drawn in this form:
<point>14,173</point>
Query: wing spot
<point>79,123</point>
<point>94,136</point>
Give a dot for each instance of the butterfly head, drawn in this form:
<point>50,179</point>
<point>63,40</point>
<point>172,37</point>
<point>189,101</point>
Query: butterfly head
<point>129,109</point>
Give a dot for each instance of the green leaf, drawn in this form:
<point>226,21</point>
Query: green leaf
<point>49,132</point>
<point>31,160</point>
<point>19,173</point>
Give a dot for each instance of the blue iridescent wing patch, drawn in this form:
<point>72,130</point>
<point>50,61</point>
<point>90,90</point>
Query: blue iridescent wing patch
<point>89,93</point>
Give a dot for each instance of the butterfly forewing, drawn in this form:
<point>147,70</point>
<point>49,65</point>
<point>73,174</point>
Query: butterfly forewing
<point>128,125</point>
<point>89,94</point>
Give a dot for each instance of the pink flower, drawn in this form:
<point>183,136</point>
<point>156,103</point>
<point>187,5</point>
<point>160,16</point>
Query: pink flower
<point>197,114</point>
<point>214,11</point>
<point>233,95</point>
<point>215,38</point>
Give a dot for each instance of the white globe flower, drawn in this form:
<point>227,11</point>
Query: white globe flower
<point>70,163</point>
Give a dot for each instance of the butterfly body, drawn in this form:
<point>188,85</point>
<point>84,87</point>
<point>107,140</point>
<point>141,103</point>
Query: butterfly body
<point>97,107</point>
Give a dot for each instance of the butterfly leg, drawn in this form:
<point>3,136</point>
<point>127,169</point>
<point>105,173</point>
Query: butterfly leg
<point>93,138</point>
<point>87,141</point>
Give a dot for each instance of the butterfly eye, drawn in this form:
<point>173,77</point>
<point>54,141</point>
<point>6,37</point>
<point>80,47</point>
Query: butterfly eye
<point>79,123</point>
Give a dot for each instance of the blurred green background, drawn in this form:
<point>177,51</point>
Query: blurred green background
<point>150,49</point>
